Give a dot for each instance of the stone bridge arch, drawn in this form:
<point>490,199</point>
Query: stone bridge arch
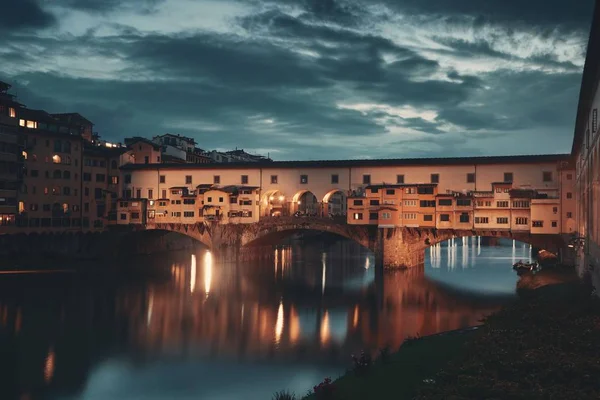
<point>268,230</point>
<point>330,202</point>
<point>198,231</point>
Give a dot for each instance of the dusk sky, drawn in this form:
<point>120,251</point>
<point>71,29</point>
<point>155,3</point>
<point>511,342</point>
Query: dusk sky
<point>308,79</point>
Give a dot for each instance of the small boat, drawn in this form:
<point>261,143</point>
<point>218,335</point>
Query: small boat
<point>523,266</point>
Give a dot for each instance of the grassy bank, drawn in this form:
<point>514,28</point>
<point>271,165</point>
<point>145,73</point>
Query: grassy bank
<point>545,345</point>
<point>400,375</point>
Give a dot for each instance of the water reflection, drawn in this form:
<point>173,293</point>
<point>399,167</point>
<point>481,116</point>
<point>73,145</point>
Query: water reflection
<point>249,334</point>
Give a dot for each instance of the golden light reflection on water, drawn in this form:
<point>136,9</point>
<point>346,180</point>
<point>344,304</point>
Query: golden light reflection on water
<point>208,272</point>
<point>193,273</point>
<point>325,333</point>
<point>279,323</point>
<point>294,326</point>
<point>49,366</point>
<point>355,317</point>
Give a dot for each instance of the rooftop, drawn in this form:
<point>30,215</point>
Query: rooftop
<point>527,159</point>
<point>75,118</point>
<point>137,139</point>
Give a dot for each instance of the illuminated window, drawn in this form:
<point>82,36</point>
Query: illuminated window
<point>21,122</point>
<point>21,207</point>
<point>32,124</point>
<point>46,190</point>
<point>24,154</point>
<point>357,216</point>
<point>65,208</point>
<point>56,159</point>
<point>11,112</point>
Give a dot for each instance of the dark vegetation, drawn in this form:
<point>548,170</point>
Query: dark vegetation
<point>545,346</point>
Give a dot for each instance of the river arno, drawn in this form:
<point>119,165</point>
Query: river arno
<point>198,327</point>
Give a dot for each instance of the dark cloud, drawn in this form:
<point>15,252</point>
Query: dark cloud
<point>566,13</point>
<point>234,62</point>
<point>94,6</point>
<point>283,83</point>
<point>17,15</point>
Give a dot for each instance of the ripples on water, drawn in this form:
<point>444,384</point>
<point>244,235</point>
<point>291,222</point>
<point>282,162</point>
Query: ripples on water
<point>198,327</point>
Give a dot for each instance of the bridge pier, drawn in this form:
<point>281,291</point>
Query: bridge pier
<point>400,248</point>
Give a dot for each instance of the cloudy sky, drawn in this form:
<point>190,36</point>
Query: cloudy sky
<point>308,79</point>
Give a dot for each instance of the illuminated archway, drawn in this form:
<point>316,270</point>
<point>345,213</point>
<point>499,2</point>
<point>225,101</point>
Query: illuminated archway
<point>274,204</point>
<point>334,203</point>
<point>307,203</point>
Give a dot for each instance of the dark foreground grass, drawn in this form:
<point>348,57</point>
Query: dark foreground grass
<point>399,377</point>
<point>545,346</point>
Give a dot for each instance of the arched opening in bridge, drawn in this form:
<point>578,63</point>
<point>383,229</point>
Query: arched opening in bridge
<point>305,202</point>
<point>334,204</point>
<point>274,204</point>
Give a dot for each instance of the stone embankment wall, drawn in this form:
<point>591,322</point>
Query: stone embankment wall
<point>91,246</point>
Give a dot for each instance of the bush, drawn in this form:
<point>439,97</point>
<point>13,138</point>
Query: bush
<point>362,363</point>
<point>324,390</point>
<point>284,395</point>
<point>385,354</point>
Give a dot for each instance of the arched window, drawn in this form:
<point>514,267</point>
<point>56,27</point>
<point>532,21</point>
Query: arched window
<point>67,175</point>
<point>57,174</point>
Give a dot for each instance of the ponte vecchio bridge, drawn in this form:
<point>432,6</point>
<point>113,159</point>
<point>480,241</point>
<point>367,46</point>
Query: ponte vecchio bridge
<point>396,208</point>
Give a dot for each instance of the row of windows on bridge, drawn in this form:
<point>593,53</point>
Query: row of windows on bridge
<point>186,214</point>
<point>547,176</point>
<point>463,218</point>
<point>448,202</point>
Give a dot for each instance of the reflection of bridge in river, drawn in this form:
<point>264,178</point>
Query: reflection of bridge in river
<point>309,323</point>
<point>53,335</point>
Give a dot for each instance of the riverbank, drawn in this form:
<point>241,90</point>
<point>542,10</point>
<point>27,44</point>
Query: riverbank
<point>544,345</point>
<point>400,374</point>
